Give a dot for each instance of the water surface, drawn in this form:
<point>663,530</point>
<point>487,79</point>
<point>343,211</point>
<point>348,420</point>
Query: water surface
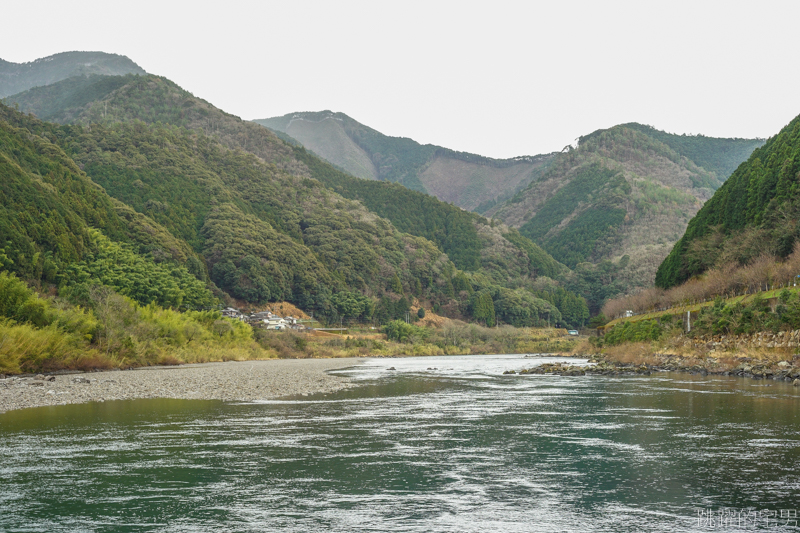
<point>438,444</point>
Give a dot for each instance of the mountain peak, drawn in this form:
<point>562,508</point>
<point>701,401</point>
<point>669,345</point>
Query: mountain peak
<point>18,77</point>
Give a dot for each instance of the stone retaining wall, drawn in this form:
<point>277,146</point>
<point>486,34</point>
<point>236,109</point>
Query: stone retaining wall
<point>762,339</point>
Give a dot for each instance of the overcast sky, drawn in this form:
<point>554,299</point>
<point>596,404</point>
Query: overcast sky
<point>495,78</point>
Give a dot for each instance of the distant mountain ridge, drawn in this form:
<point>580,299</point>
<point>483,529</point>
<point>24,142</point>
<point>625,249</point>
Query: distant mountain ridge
<point>467,180</point>
<point>18,77</point>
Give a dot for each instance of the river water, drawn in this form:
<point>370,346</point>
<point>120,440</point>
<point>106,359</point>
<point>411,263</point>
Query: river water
<point>438,444</point>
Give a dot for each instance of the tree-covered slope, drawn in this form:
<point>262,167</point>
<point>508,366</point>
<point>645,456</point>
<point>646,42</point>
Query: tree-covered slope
<point>755,212</point>
<point>154,99</point>
<point>466,180</point>
<point>622,194</point>
<point>209,174</point>
<point>18,77</point>
<point>58,227</point>
<point>456,232</point>
<point>63,100</point>
<point>720,156</point>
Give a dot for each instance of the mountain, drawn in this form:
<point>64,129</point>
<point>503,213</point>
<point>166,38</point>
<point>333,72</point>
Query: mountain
<point>626,191</point>
<point>59,227</point>
<point>260,213</point>
<point>755,213</point>
<point>467,180</point>
<point>62,100</point>
<point>18,77</point>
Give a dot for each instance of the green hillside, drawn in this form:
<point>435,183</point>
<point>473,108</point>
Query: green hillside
<point>249,205</point>
<point>18,77</point>
<point>59,227</point>
<point>63,100</point>
<point>154,99</point>
<point>753,214</point>
<point>612,208</point>
<point>720,156</point>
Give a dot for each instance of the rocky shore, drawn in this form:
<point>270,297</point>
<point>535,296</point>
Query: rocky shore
<point>232,381</point>
<point>745,367</point>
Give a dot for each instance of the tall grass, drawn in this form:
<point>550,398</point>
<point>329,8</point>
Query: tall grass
<point>45,334</point>
<point>763,272</point>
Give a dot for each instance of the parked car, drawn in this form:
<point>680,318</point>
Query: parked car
<point>573,332</point>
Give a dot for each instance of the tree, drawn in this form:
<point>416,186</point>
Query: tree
<point>395,286</point>
<point>483,309</point>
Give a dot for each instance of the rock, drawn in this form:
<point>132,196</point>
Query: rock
<point>84,380</point>
<point>796,382</point>
<point>391,368</point>
<point>39,377</point>
<point>784,364</point>
<point>36,384</point>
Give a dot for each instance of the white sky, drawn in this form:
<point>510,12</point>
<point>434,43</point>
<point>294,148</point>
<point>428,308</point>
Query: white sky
<point>494,78</point>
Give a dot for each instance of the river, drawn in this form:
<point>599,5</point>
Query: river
<point>437,444</point>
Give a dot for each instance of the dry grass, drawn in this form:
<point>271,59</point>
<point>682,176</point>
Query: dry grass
<point>763,273</point>
<point>431,319</point>
<point>632,353</point>
<point>583,347</point>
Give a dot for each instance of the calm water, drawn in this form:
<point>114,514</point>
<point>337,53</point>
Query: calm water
<point>461,448</point>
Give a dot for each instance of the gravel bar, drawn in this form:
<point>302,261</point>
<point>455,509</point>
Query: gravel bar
<point>230,381</point>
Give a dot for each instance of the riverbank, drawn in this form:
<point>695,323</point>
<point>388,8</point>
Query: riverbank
<point>727,365</point>
<point>230,381</point>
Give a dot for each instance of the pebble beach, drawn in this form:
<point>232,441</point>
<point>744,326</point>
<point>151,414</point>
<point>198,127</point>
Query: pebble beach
<point>230,381</point>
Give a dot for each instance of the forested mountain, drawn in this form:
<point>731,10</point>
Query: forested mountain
<point>466,180</point>
<point>624,193</point>
<point>18,77</point>
<point>754,213</point>
<point>57,226</point>
<point>250,207</point>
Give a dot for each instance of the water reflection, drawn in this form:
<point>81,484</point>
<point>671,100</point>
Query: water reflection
<point>458,448</point>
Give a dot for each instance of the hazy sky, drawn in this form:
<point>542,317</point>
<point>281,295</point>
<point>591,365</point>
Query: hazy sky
<point>495,78</point>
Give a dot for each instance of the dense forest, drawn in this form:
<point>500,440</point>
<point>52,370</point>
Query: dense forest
<point>754,213</point>
<point>577,243</point>
<point>259,227</point>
